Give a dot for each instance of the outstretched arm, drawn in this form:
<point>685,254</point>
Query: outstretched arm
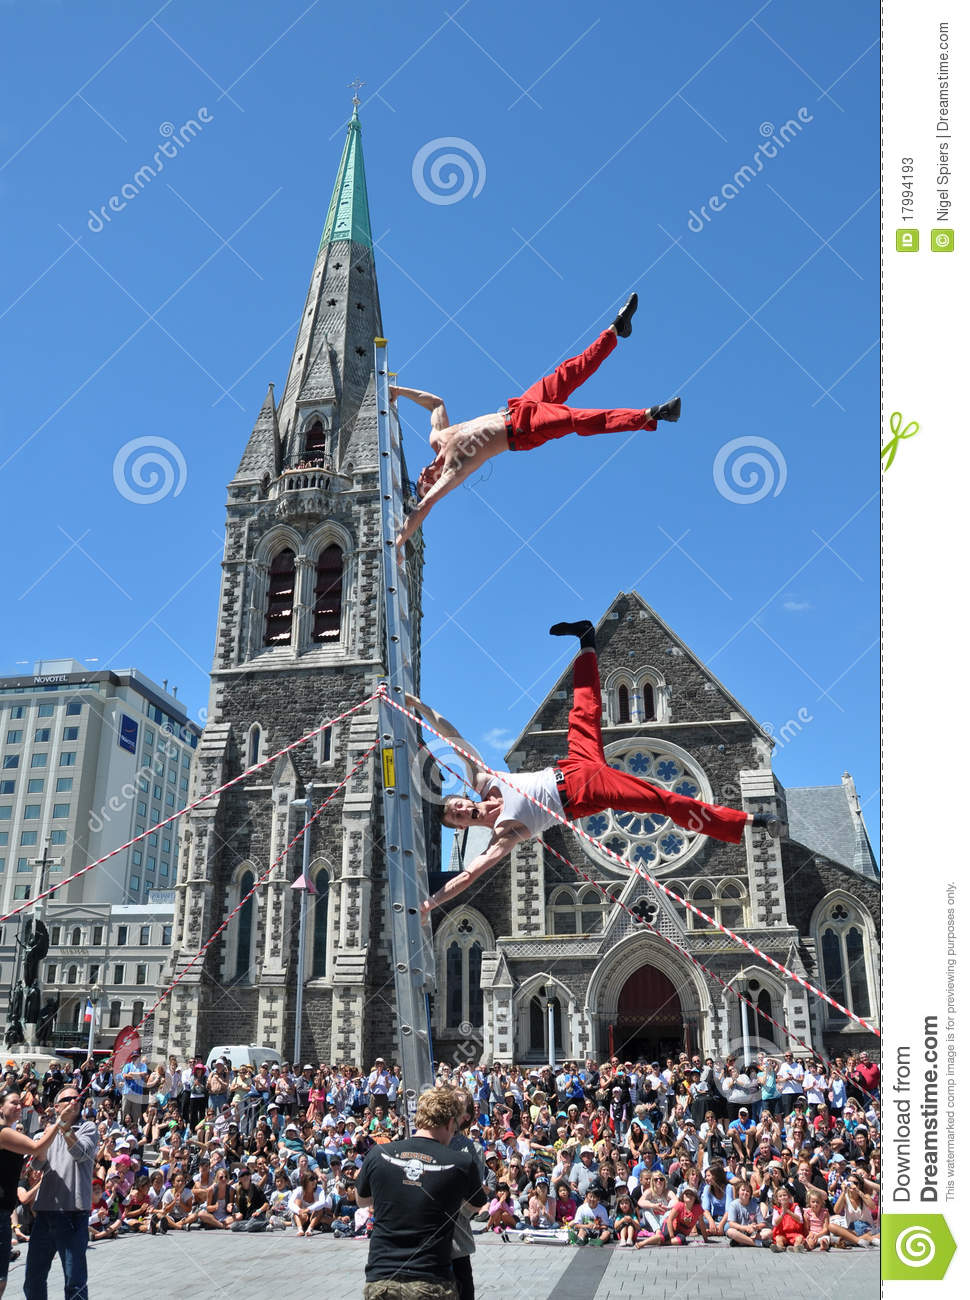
<point>436,405</point>
<point>473,766</point>
<point>454,473</point>
<point>501,845</point>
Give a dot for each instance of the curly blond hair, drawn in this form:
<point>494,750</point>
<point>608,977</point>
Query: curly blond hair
<point>438,1107</point>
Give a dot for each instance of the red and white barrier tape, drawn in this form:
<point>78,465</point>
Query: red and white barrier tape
<point>28,903</point>
<point>637,869</point>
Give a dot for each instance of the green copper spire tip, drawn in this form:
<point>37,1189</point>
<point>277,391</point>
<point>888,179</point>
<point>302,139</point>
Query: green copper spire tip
<point>348,217</point>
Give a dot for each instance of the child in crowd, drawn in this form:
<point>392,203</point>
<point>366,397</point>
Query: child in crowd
<point>591,1221</point>
<point>787,1224</point>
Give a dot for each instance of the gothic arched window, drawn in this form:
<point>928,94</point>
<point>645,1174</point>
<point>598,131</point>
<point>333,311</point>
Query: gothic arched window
<point>280,597</point>
<point>539,1025</point>
<point>245,919</point>
<point>765,1026</point>
<point>649,703</point>
<point>255,734</point>
<point>623,704</point>
<point>726,902</point>
<point>316,439</point>
<point>844,959</point>
<point>320,904</point>
<point>328,594</point>
<point>464,999</point>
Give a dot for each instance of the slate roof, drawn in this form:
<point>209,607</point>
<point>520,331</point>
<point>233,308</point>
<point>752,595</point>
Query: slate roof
<point>824,820</point>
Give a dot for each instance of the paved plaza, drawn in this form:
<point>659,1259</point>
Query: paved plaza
<point>238,1267</point>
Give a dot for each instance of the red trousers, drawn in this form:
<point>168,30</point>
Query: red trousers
<point>538,415</point>
<point>593,786</point>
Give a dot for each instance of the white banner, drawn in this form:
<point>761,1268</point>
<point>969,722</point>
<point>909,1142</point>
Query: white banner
<point>925,461</point>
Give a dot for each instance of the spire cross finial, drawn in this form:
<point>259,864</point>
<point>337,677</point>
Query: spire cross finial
<point>355,85</point>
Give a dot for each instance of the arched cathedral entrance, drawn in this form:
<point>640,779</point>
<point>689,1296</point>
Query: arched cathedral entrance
<point>649,1023</point>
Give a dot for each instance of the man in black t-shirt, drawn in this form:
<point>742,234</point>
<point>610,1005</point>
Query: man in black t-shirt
<point>417,1188</point>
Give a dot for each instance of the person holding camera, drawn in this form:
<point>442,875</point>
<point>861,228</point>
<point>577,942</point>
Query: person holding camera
<point>63,1202</point>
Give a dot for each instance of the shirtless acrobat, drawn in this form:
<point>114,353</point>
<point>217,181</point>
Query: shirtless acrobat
<point>581,784</point>
<point>528,421</point>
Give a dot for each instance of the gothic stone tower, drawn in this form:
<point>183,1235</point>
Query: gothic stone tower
<point>299,640</point>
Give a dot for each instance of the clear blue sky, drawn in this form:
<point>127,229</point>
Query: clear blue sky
<point>598,139</point>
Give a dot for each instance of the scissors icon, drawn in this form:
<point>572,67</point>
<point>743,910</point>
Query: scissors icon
<point>899,433</point>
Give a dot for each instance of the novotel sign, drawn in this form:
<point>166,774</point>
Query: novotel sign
<point>51,677</point>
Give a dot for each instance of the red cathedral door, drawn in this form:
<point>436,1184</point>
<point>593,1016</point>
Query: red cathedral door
<point>649,1024</point>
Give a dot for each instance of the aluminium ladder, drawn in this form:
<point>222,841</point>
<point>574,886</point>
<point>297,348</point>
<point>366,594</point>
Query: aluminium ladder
<point>407,873</point>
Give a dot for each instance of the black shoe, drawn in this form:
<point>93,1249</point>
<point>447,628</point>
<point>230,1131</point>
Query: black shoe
<point>163,1225</point>
<point>584,629</point>
<point>153,1228</point>
<point>622,323</point>
<point>767,822</point>
<point>666,411</point>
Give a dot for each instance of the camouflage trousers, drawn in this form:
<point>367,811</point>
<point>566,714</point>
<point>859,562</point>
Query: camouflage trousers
<point>390,1289</point>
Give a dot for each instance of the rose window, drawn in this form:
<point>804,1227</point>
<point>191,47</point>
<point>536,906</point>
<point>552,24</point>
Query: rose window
<point>650,840</point>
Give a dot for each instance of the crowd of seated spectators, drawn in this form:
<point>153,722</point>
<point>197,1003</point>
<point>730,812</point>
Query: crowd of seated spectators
<point>781,1153</point>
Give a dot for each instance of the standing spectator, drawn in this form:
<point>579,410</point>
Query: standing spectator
<point>768,1079</point>
<point>63,1203</point>
<point>790,1076</point>
<point>134,1077</point>
<point>378,1082</point>
<point>463,1243</point>
<point>14,1147</point>
<point>866,1076</point>
<point>411,1241</point>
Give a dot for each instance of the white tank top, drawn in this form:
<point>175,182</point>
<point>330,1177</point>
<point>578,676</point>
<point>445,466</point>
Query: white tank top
<point>516,808</point>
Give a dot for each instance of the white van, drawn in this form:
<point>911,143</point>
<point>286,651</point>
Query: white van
<point>244,1054</point>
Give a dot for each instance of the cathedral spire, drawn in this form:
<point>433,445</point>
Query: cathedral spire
<point>349,216</point>
<point>331,374</point>
<point>263,452</point>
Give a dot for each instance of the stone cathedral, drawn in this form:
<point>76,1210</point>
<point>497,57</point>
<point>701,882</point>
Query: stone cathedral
<point>300,639</point>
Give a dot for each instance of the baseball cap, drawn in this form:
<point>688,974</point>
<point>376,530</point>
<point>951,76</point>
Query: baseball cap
<point>837,1158</point>
<point>743,1110</point>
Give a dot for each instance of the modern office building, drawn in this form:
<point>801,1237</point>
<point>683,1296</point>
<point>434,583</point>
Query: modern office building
<point>88,761</point>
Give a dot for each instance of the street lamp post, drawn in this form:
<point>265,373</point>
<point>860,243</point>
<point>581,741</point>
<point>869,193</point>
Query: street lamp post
<point>305,886</point>
<point>743,989</point>
<point>551,1024</point>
